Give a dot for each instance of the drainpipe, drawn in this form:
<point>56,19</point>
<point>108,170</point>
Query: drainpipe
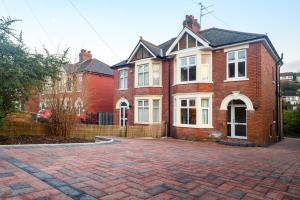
<point>169,100</point>
<point>278,64</point>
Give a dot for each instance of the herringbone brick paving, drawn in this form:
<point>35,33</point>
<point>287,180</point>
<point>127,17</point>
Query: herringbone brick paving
<point>151,169</point>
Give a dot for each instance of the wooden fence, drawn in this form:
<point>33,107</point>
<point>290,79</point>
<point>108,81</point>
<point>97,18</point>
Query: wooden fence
<point>86,131</point>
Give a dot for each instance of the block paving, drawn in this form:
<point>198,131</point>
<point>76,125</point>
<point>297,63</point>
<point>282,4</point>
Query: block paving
<point>151,169</point>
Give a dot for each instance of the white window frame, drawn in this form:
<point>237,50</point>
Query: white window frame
<point>197,96</point>
<point>143,66</point>
<point>151,62</point>
<point>198,54</point>
<point>150,98</point>
<point>236,61</point>
<point>122,77</point>
<point>79,83</point>
<point>188,106</point>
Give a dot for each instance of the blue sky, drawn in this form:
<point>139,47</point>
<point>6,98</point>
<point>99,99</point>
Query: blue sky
<point>116,25</point>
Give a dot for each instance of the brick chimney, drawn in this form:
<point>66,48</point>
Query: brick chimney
<point>192,23</point>
<point>85,55</point>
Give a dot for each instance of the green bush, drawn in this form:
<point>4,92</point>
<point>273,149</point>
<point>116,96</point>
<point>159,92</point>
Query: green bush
<point>291,123</point>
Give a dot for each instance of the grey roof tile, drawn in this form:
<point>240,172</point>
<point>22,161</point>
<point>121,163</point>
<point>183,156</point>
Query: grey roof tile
<point>92,65</point>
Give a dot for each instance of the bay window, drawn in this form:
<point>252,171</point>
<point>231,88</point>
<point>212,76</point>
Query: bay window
<point>236,65</point>
<point>147,109</point>
<point>123,79</point>
<point>193,110</point>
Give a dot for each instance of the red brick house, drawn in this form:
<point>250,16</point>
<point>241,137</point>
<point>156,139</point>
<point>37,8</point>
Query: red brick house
<point>202,82</point>
<point>88,85</point>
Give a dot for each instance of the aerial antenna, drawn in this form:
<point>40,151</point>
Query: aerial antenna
<point>202,13</point>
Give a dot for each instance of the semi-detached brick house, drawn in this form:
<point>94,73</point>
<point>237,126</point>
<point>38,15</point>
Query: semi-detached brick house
<point>87,85</point>
<point>202,82</point>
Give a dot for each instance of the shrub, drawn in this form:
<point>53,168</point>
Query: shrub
<point>291,123</point>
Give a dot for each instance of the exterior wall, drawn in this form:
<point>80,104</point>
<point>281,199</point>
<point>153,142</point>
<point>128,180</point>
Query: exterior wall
<point>98,93</point>
<point>131,92</point>
<point>260,89</point>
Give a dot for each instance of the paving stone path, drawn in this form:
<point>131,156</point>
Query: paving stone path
<point>151,169</point>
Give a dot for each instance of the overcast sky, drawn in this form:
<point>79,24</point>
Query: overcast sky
<point>111,28</point>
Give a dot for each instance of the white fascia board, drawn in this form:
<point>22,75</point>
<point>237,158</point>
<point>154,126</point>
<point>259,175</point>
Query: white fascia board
<point>136,48</point>
<point>186,30</point>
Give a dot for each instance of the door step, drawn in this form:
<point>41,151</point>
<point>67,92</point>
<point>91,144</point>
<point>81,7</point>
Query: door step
<point>236,142</point>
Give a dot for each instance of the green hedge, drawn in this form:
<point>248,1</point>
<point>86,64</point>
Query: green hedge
<point>291,123</point>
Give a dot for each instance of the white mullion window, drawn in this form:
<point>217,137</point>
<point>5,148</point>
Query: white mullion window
<point>143,110</point>
<point>155,111</point>
<point>188,114</point>
<point>156,74</point>
<point>123,80</point>
<point>236,65</point>
<point>205,67</point>
<point>205,111</point>
<point>188,69</point>
<point>193,110</point>
<point>143,75</point>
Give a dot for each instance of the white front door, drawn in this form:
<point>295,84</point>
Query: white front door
<point>237,121</point>
<point>123,114</point>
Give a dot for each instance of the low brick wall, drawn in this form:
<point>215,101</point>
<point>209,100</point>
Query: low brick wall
<point>86,131</point>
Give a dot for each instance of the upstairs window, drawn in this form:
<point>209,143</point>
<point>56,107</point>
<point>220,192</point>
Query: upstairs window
<point>236,65</point>
<point>156,74</point>
<point>123,79</point>
<point>79,83</point>
<point>69,85</point>
<point>188,69</point>
<point>143,75</point>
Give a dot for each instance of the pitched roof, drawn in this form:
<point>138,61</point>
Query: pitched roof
<point>92,65</point>
<point>220,37</point>
<point>215,37</point>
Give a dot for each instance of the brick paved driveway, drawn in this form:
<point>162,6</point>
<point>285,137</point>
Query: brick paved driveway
<point>151,169</point>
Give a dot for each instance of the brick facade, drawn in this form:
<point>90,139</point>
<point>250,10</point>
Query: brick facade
<point>260,89</point>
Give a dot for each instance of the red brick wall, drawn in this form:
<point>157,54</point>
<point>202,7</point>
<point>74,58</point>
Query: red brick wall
<point>131,92</point>
<point>259,88</point>
<point>98,93</point>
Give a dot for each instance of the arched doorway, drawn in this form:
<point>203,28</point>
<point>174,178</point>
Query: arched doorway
<point>237,119</point>
<point>123,113</point>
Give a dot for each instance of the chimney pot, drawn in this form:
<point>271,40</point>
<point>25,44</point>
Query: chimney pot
<point>85,55</point>
<point>191,23</point>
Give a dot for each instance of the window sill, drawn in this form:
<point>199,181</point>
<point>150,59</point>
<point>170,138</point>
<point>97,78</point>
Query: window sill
<point>149,86</point>
<point>236,79</point>
<point>148,123</point>
<point>192,82</point>
<point>192,126</point>
<point>122,89</point>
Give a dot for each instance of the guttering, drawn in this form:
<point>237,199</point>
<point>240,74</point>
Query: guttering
<point>261,39</point>
<point>278,64</point>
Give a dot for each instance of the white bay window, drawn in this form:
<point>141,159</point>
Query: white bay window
<point>147,109</point>
<point>148,73</point>
<point>193,110</point>
<point>193,67</point>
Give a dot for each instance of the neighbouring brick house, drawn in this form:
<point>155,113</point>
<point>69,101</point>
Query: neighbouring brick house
<point>88,85</point>
<point>202,82</point>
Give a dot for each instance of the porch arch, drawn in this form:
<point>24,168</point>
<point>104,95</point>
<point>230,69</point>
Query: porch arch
<point>237,96</point>
<point>118,104</point>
